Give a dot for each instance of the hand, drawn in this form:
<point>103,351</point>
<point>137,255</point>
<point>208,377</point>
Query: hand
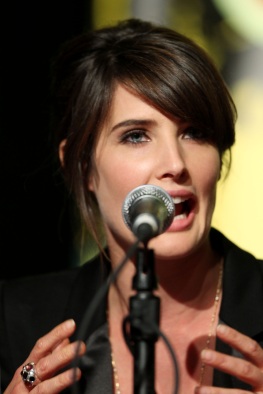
<point>50,354</point>
<point>249,370</point>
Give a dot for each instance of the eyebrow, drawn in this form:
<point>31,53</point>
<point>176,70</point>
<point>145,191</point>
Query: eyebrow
<point>134,122</point>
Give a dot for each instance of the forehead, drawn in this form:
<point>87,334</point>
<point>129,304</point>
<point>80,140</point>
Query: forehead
<point>124,99</point>
<point>127,103</point>
<point>130,109</point>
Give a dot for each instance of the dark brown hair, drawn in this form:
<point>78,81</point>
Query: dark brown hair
<point>164,67</point>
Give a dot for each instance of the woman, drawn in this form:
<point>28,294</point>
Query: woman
<point>140,104</point>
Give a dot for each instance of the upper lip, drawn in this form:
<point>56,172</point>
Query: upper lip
<point>181,195</point>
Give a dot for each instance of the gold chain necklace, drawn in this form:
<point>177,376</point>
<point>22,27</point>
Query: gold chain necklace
<point>213,319</point>
<point>208,340</point>
<point>115,375</point>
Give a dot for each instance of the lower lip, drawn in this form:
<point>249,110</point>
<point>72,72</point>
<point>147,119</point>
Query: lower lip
<point>182,224</point>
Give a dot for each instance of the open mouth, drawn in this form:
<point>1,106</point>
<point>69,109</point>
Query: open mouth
<point>183,207</point>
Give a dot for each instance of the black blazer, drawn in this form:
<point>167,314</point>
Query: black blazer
<point>30,307</point>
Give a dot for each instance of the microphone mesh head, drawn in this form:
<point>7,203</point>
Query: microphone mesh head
<point>147,191</point>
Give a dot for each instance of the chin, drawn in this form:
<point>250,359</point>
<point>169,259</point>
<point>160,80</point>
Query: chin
<point>178,245</point>
<point>168,246</point>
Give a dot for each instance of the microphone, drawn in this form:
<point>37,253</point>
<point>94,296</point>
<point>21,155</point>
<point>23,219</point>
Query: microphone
<point>148,211</point>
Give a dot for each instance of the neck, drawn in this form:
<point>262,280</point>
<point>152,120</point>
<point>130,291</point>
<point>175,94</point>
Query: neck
<point>184,283</point>
<point>189,281</point>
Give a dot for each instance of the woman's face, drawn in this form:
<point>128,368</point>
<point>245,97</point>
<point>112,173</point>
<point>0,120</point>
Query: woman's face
<point>140,145</point>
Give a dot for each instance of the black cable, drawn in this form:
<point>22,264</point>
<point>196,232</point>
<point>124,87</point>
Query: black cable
<point>159,333</point>
<point>174,360</point>
<point>102,292</point>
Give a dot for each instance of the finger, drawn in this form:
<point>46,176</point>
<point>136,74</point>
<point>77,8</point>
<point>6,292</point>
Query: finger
<point>47,367</point>
<point>62,344</point>
<point>241,369</point>
<point>58,383</point>
<point>52,363</point>
<point>245,345</point>
<point>53,339</point>
<point>51,386</point>
<point>219,390</point>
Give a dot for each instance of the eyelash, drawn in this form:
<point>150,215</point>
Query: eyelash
<point>132,133</point>
<point>195,134</point>
<point>189,133</point>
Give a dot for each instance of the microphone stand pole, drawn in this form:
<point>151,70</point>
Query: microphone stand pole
<point>144,322</point>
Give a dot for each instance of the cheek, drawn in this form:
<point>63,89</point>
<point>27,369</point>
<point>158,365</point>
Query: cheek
<point>210,177</point>
<point>118,174</point>
<point>111,184</point>
<point>204,169</point>
<point>116,177</point>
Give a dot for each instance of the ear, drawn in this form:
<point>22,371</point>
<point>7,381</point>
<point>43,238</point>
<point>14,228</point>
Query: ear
<point>91,185</point>
<point>61,151</point>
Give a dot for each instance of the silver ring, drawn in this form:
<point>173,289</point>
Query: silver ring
<point>28,374</point>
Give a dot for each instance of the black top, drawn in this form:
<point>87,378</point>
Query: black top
<point>30,307</point>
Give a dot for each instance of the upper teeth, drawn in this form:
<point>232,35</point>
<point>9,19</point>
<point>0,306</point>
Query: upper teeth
<point>178,200</point>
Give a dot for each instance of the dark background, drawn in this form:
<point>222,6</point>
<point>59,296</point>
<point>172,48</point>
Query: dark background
<point>35,221</point>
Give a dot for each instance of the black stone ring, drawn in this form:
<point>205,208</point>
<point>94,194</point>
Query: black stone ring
<point>28,374</point>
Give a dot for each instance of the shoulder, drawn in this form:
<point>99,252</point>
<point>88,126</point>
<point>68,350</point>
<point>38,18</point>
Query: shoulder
<point>53,281</point>
<point>53,296</point>
<point>232,252</point>
<point>32,306</point>
<point>242,299</point>
<point>37,284</point>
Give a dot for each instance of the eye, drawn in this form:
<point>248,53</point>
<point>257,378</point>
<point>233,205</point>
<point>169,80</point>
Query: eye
<point>134,137</point>
<point>194,133</point>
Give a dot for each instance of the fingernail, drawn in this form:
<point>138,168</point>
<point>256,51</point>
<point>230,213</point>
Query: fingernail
<point>221,328</point>
<point>80,347</point>
<point>70,323</point>
<point>74,374</point>
<point>202,390</point>
<point>206,355</point>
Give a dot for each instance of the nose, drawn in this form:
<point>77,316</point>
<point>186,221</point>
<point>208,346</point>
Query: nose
<point>171,161</point>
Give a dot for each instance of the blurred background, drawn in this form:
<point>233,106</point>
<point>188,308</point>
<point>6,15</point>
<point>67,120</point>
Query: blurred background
<point>37,231</point>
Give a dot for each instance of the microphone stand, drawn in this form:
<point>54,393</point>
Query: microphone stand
<point>144,322</point>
